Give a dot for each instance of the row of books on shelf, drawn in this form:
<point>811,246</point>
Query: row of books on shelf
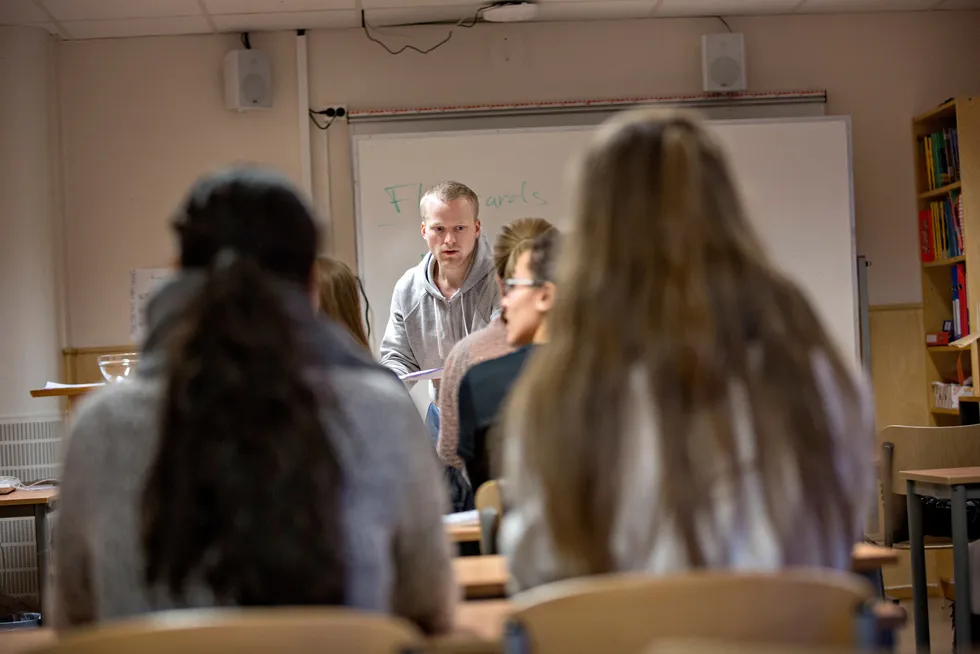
<point>941,228</point>
<point>946,395</point>
<point>961,316</point>
<point>959,326</point>
<point>941,154</point>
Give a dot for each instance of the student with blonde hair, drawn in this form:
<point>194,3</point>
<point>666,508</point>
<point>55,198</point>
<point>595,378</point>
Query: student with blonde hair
<point>449,294</point>
<point>482,345</point>
<point>690,410</point>
<point>339,296</point>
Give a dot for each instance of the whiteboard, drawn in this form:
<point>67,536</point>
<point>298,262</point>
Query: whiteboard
<point>794,175</point>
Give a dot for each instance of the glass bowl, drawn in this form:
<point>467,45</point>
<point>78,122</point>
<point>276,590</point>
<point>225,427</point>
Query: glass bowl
<point>117,367</point>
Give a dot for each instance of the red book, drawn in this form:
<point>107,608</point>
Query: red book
<point>926,249</point>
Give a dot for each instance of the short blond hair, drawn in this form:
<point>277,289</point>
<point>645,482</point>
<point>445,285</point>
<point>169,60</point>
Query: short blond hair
<point>447,192</point>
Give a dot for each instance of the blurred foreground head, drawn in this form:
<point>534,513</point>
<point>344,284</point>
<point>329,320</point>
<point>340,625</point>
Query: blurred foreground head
<point>676,346</point>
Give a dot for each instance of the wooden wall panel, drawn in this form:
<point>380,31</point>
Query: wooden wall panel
<point>898,367</point>
<point>898,374</point>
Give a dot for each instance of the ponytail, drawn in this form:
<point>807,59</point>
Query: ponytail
<point>244,494</point>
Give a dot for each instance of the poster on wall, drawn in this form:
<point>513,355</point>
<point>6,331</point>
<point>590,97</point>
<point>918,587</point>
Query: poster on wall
<point>142,283</point>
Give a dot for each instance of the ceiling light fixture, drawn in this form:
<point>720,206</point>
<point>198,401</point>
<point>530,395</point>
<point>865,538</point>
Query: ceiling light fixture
<point>510,12</point>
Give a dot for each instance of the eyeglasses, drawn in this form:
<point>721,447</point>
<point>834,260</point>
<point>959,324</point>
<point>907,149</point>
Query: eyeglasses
<point>510,284</point>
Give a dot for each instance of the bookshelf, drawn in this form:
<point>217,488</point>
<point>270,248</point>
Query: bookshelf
<point>947,177</point>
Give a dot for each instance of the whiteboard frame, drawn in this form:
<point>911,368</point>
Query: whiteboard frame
<point>356,139</point>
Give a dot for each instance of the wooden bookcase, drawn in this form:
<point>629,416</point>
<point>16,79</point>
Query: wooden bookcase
<point>962,114</point>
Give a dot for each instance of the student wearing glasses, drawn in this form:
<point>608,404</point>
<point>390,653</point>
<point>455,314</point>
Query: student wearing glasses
<point>528,298</point>
<point>482,345</point>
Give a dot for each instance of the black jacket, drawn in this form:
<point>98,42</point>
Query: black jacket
<point>481,395</point>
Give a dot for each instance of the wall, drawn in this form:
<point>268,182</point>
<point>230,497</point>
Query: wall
<point>879,68</point>
<point>142,117</point>
<point>30,271</point>
<point>29,217</point>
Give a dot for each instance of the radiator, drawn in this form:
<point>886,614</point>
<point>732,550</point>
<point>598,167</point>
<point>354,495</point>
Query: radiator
<point>30,449</point>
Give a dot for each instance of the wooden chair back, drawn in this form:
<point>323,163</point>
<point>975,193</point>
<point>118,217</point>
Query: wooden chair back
<point>490,507</point>
<point>625,613</point>
<point>488,497</point>
<point>708,646</point>
<point>245,631</point>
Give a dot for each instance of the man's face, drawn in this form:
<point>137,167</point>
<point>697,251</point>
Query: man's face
<point>525,306</point>
<point>450,231</point>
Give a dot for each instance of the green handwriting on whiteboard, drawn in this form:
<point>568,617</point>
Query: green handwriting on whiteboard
<point>402,193</point>
<point>407,197</point>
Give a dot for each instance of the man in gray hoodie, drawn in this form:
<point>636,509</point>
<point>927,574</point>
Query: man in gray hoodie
<point>451,293</point>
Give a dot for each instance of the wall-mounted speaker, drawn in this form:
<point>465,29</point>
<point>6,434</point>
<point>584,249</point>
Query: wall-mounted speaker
<point>248,80</point>
<point>723,62</point>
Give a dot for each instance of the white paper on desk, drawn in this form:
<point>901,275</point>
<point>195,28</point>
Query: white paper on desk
<point>432,373</point>
<point>461,518</point>
<point>51,384</point>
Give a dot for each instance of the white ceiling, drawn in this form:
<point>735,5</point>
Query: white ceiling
<point>96,19</point>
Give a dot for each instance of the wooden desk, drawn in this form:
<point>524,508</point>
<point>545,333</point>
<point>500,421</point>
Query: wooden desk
<point>487,576</point>
<point>944,477</point>
<point>484,619</point>
<point>957,485</point>
<point>74,393</point>
<point>466,532</point>
<point>22,641</point>
<point>481,577</point>
<point>36,504</point>
<point>866,557</point>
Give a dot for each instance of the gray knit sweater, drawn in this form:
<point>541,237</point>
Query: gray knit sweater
<point>398,560</point>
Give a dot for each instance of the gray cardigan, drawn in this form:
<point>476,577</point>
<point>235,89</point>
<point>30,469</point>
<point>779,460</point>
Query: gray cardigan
<point>398,562</point>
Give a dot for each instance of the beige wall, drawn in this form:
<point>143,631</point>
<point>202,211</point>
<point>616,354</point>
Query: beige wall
<point>142,117</point>
<point>29,229</point>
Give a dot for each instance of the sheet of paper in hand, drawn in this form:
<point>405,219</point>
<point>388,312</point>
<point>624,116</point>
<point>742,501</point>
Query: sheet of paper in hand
<point>422,375</point>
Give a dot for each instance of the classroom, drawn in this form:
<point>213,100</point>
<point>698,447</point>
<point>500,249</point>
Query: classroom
<point>845,122</point>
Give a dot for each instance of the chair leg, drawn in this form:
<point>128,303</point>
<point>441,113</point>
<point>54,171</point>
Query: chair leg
<point>877,580</point>
<point>515,639</point>
<point>875,626</point>
<point>488,531</point>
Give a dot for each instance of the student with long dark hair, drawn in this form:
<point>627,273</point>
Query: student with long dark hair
<point>257,458</point>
